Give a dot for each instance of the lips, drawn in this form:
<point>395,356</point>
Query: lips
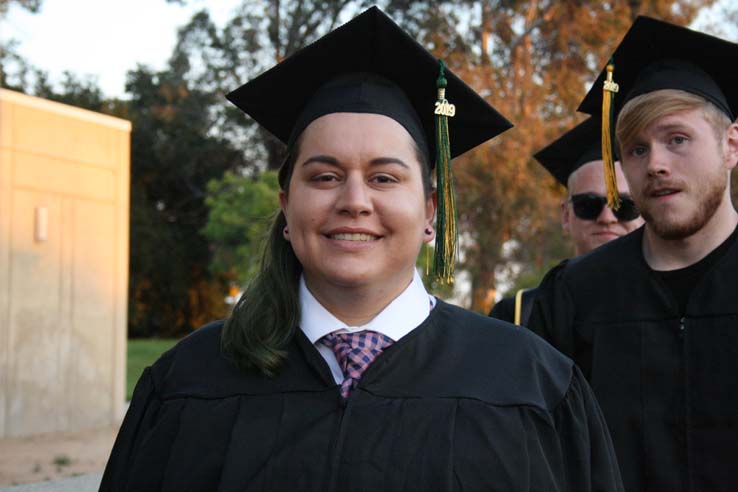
<point>352,234</point>
<point>662,192</point>
<point>660,189</point>
<point>353,237</point>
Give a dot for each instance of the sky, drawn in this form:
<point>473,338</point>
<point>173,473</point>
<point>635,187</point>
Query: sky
<point>95,37</point>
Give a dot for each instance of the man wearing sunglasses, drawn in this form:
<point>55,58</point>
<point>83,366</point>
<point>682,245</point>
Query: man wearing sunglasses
<point>585,216</point>
<point>575,160</point>
<point>652,318</point>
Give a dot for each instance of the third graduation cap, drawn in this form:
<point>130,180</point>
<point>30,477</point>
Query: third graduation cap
<point>572,150</point>
<point>656,55</point>
<point>370,65</point>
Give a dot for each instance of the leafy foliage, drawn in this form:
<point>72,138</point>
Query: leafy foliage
<point>240,213</point>
<point>174,155</point>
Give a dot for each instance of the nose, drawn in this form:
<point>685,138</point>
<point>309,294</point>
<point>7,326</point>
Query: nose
<point>354,198</point>
<point>606,216</point>
<point>658,164</point>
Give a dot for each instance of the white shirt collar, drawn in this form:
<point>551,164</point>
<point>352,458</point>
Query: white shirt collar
<point>400,317</point>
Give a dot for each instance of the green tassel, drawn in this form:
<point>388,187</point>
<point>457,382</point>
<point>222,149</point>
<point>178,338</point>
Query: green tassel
<point>446,232</point>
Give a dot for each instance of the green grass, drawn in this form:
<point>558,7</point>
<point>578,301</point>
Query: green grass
<point>142,352</point>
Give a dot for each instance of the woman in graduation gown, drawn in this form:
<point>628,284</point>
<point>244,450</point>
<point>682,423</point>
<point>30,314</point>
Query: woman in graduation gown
<point>337,371</point>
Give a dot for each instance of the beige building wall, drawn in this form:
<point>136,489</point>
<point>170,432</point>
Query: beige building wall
<point>64,187</point>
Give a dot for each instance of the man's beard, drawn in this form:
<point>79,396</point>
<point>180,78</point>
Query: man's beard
<point>709,199</point>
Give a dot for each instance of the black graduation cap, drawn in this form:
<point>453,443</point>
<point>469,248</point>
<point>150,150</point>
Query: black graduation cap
<point>367,65</point>
<point>572,150</point>
<point>656,55</point>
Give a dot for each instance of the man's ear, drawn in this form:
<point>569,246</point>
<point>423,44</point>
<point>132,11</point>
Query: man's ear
<point>731,146</point>
<point>565,216</point>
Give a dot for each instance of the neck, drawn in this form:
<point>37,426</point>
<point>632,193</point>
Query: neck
<point>357,305</point>
<point>672,254</point>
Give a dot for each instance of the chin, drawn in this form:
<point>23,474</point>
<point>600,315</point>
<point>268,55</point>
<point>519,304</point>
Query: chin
<point>675,231</point>
<point>676,228</point>
<point>347,277</point>
<point>598,241</point>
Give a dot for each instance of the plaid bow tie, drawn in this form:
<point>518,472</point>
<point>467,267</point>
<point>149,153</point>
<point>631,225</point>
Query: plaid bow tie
<point>354,352</point>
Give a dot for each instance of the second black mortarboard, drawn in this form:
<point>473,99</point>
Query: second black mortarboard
<point>572,150</point>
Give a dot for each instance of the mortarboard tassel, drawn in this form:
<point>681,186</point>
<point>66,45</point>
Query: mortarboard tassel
<point>447,233</point>
<point>611,181</point>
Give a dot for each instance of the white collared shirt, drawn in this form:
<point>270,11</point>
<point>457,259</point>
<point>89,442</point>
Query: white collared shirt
<point>400,317</point>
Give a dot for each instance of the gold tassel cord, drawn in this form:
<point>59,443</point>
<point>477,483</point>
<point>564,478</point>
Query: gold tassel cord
<point>447,235</point>
<point>611,180</point>
<point>518,306</point>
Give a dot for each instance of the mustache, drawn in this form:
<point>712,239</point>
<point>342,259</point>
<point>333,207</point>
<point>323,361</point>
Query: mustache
<point>655,184</point>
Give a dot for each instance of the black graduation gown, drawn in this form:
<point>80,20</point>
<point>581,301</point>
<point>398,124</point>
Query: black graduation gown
<point>667,384</point>
<point>462,403</point>
<point>505,309</point>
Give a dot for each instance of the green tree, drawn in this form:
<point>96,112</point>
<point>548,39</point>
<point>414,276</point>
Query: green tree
<point>241,209</point>
<point>173,157</point>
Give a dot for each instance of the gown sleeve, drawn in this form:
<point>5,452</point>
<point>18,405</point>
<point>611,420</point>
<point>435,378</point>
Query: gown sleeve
<point>139,419</point>
<point>589,459</point>
<point>552,314</point>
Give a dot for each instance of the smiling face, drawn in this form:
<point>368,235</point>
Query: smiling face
<point>589,234</point>
<point>678,171</point>
<point>356,209</point>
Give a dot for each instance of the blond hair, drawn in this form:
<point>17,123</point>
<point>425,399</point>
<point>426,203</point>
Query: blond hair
<point>640,112</point>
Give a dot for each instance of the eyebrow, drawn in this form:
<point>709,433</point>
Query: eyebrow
<point>323,159</point>
<point>380,161</point>
<point>672,127</point>
<point>330,160</point>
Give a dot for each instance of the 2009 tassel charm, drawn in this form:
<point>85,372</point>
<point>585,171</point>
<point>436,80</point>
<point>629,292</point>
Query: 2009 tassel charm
<point>443,107</point>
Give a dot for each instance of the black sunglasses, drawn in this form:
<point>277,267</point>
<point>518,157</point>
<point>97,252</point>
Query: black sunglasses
<point>588,206</point>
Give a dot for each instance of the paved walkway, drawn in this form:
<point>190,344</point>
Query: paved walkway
<point>54,457</point>
<point>82,483</point>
